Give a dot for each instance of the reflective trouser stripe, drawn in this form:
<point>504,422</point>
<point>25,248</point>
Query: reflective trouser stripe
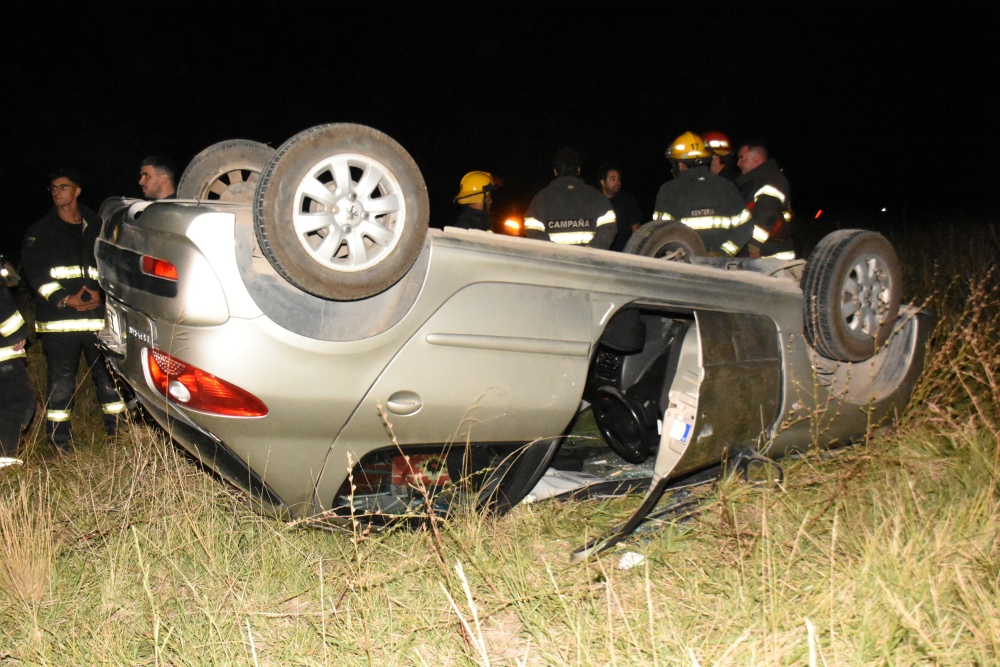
<point>785,254</point>
<point>760,234</point>
<point>7,353</point>
<point>11,324</point>
<point>571,238</point>
<point>48,289</point>
<point>730,248</point>
<point>113,408</point>
<point>58,415</point>
<point>64,326</point>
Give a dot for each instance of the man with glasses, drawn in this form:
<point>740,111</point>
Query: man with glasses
<point>59,264</point>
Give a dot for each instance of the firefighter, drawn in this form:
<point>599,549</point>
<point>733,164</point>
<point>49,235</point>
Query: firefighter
<point>569,211</point>
<point>17,397</point>
<point>723,163</point>
<point>696,197</point>
<point>768,198</point>
<point>58,260</point>
<point>474,194</point>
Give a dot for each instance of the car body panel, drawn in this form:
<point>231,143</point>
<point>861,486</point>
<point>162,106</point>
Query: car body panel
<point>488,339</point>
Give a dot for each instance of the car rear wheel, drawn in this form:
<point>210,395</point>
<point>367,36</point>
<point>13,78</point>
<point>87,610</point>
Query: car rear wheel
<point>341,211</point>
<point>851,294</point>
<point>666,240</point>
<point>226,171</point>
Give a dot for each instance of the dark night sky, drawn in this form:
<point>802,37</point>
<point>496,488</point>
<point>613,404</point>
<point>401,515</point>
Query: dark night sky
<point>863,107</point>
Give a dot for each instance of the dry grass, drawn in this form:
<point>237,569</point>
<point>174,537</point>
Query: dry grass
<point>27,542</point>
<point>884,553</point>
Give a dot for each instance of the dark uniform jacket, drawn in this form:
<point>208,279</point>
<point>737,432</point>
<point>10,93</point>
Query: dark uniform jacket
<point>699,199</point>
<point>58,259</point>
<point>473,218</point>
<point>569,211</point>
<point>767,195</point>
<point>627,214</point>
<point>12,326</point>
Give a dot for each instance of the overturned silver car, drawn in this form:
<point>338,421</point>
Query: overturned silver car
<point>280,318</point>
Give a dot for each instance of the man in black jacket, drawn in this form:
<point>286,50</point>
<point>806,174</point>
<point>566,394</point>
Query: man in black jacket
<point>569,211</point>
<point>768,197</point>
<point>58,261</point>
<point>696,197</point>
<point>157,177</point>
<point>628,215</point>
<point>17,397</point>
<point>475,196</point>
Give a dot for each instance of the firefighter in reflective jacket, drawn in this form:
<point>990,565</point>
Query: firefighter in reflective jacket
<point>17,397</point>
<point>58,260</point>
<point>709,204</point>
<point>768,198</point>
<point>569,211</point>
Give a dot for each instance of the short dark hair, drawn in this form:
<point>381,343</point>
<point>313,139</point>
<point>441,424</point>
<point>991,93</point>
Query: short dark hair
<point>756,144</point>
<point>602,173</point>
<point>566,162</point>
<point>162,164</point>
<point>66,172</point>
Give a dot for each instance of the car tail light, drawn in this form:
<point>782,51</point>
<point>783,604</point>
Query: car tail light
<point>160,268</point>
<point>195,389</point>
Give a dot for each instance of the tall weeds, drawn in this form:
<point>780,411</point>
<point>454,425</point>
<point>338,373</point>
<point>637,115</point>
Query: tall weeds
<point>27,539</point>
<point>959,388</point>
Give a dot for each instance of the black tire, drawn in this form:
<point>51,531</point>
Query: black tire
<point>226,171</point>
<point>851,294</point>
<point>515,475</point>
<point>666,239</point>
<point>341,211</point>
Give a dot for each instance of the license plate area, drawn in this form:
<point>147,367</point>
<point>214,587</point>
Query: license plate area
<point>113,336</point>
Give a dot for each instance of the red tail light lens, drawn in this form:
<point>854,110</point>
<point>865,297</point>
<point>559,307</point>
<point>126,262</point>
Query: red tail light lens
<point>160,268</point>
<point>195,389</point>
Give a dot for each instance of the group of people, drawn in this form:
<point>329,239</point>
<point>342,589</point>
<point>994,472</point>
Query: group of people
<point>739,210</point>
<point>58,261</point>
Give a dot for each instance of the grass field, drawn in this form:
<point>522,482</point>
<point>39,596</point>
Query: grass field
<point>888,552</point>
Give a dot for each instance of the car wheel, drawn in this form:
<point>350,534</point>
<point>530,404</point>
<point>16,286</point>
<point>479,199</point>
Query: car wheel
<point>226,171</point>
<point>341,211</point>
<point>666,239</point>
<point>851,294</point>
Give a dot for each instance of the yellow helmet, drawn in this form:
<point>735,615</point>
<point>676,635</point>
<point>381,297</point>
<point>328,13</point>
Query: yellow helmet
<point>688,146</point>
<point>474,186</point>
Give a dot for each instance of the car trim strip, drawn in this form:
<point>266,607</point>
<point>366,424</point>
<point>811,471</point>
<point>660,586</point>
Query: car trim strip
<point>563,348</point>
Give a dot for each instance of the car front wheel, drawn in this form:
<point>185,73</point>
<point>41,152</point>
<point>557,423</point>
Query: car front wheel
<point>851,294</point>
